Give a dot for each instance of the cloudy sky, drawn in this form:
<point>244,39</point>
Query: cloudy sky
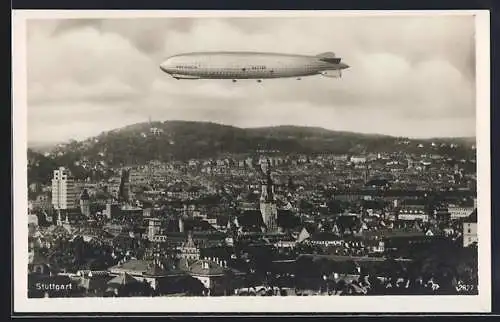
<point>409,76</point>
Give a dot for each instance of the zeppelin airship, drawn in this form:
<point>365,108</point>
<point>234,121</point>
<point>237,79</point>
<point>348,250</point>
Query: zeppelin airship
<point>251,65</point>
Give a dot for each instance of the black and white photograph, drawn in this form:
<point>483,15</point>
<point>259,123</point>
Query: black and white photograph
<point>222,161</point>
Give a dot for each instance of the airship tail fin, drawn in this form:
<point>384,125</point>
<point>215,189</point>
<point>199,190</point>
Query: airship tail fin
<point>328,54</point>
<point>329,57</point>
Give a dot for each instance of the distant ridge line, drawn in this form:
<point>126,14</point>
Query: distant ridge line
<point>317,129</point>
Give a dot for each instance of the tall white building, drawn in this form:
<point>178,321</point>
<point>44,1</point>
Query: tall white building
<point>64,194</point>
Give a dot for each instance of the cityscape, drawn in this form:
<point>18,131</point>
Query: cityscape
<point>266,223</point>
<point>205,157</point>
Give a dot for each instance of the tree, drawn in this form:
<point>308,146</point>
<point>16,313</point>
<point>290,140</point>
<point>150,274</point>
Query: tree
<point>335,206</point>
<point>305,206</point>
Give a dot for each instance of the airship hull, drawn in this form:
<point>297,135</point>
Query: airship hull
<point>240,65</point>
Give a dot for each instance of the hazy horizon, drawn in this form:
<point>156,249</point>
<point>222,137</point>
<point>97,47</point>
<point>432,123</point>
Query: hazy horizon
<point>411,76</point>
<point>41,142</point>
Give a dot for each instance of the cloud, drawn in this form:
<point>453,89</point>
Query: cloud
<point>410,76</point>
<point>108,89</point>
<point>86,56</point>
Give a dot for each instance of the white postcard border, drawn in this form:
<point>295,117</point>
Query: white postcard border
<point>420,304</point>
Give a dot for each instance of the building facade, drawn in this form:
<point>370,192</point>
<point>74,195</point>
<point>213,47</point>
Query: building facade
<point>459,212</point>
<point>189,250</point>
<point>154,228</point>
<point>469,233</point>
<point>64,194</point>
<point>413,214</point>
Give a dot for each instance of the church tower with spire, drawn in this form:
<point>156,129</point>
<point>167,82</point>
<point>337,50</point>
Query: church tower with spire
<point>268,207</point>
<point>85,203</point>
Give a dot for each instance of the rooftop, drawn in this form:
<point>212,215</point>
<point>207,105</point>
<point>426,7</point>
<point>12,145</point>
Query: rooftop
<point>206,268</point>
<point>142,268</point>
<point>123,279</point>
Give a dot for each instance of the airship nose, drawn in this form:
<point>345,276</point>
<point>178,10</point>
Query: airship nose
<point>164,66</point>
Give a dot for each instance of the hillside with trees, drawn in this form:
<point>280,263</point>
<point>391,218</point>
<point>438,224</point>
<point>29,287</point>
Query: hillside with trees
<point>183,140</point>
